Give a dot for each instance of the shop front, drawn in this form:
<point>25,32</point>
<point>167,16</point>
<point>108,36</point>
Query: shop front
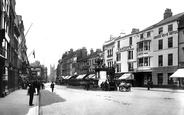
<point>140,78</point>
<point>178,77</point>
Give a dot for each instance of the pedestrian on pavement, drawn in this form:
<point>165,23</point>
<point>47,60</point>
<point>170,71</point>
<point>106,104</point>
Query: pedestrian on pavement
<point>38,87</point>
<point>42,85</point>
<point>31,92</point>
<point>52,86</point>
<point>149,84</point>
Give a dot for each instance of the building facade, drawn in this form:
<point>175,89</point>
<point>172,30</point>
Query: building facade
<point>109,52</point>
<point>12,47</point>
<point>92,60</point>
<point>152,53</point>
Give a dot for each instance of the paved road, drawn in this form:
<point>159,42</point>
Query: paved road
<point>68,101</point>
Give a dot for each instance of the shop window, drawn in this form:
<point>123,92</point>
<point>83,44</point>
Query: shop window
<point>170,42</point>
<point>160,78</point>
<point>160,44</point>
<point>170,59</point>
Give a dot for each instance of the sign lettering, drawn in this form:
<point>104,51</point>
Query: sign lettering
<point>165,34</point>
<point>126,48</point>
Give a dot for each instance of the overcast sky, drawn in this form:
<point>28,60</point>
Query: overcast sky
<point>59,25</point>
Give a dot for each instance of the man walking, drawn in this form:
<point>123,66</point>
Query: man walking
<point>52,86</point>
<point>31,92</point>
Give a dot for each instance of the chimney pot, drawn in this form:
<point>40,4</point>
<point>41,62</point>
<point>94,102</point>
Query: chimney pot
<point>167,13</point>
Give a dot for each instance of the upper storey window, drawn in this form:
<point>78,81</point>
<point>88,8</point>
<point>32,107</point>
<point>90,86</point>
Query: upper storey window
<point>148,34</point>
<point>160,44</point>
<point>110,53</point>
<point>160,30</point>
<point>170,27</point>
<point>141,36</point>
<point>130,41</point>
<point>118,44</point>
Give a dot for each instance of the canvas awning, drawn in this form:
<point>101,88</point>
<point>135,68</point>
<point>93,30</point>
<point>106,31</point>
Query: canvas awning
<point>90,76</point>
<point>81,76</point>
<point>127,76</point>
<point>64,77</point>
<point>178,74</point>
<point>67,77</point>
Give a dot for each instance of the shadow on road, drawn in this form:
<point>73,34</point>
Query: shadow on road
<point>163,90</point>
<point>47,98</point>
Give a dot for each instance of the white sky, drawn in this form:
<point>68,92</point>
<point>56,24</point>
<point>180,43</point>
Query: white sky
<point>59,25</point>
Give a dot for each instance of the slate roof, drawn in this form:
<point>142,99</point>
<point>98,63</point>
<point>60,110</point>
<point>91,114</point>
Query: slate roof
<point>168,20</point>
<point>165,21</point>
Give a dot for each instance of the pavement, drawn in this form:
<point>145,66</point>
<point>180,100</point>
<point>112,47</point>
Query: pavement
<point>17,103</point>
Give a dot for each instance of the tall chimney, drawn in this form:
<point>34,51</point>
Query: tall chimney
<point>134,30</point>
<point>167,13</point>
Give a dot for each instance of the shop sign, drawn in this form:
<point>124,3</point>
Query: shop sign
<point>126,48</point>
<point>142,53</point>
<point>165,34</point>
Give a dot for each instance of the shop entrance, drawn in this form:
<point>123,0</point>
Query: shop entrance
<point>140,78</point>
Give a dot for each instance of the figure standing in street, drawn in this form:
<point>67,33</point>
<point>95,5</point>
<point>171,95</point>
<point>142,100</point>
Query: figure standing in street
<point>52,86</point>
<point>149,84</point>
<point>38,87</point>
<point>31,92</point>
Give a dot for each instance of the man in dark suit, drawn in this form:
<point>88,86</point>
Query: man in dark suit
<point>31,92</point>
<point>52,86</point>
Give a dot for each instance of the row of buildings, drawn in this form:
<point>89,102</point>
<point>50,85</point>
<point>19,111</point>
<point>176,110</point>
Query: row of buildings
<point>78,62</point>
<point>153,53</point>
<point>13,57</point>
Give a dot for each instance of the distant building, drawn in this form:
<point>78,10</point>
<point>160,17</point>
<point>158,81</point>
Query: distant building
<point>52,76</point>
<point>93,58</point>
